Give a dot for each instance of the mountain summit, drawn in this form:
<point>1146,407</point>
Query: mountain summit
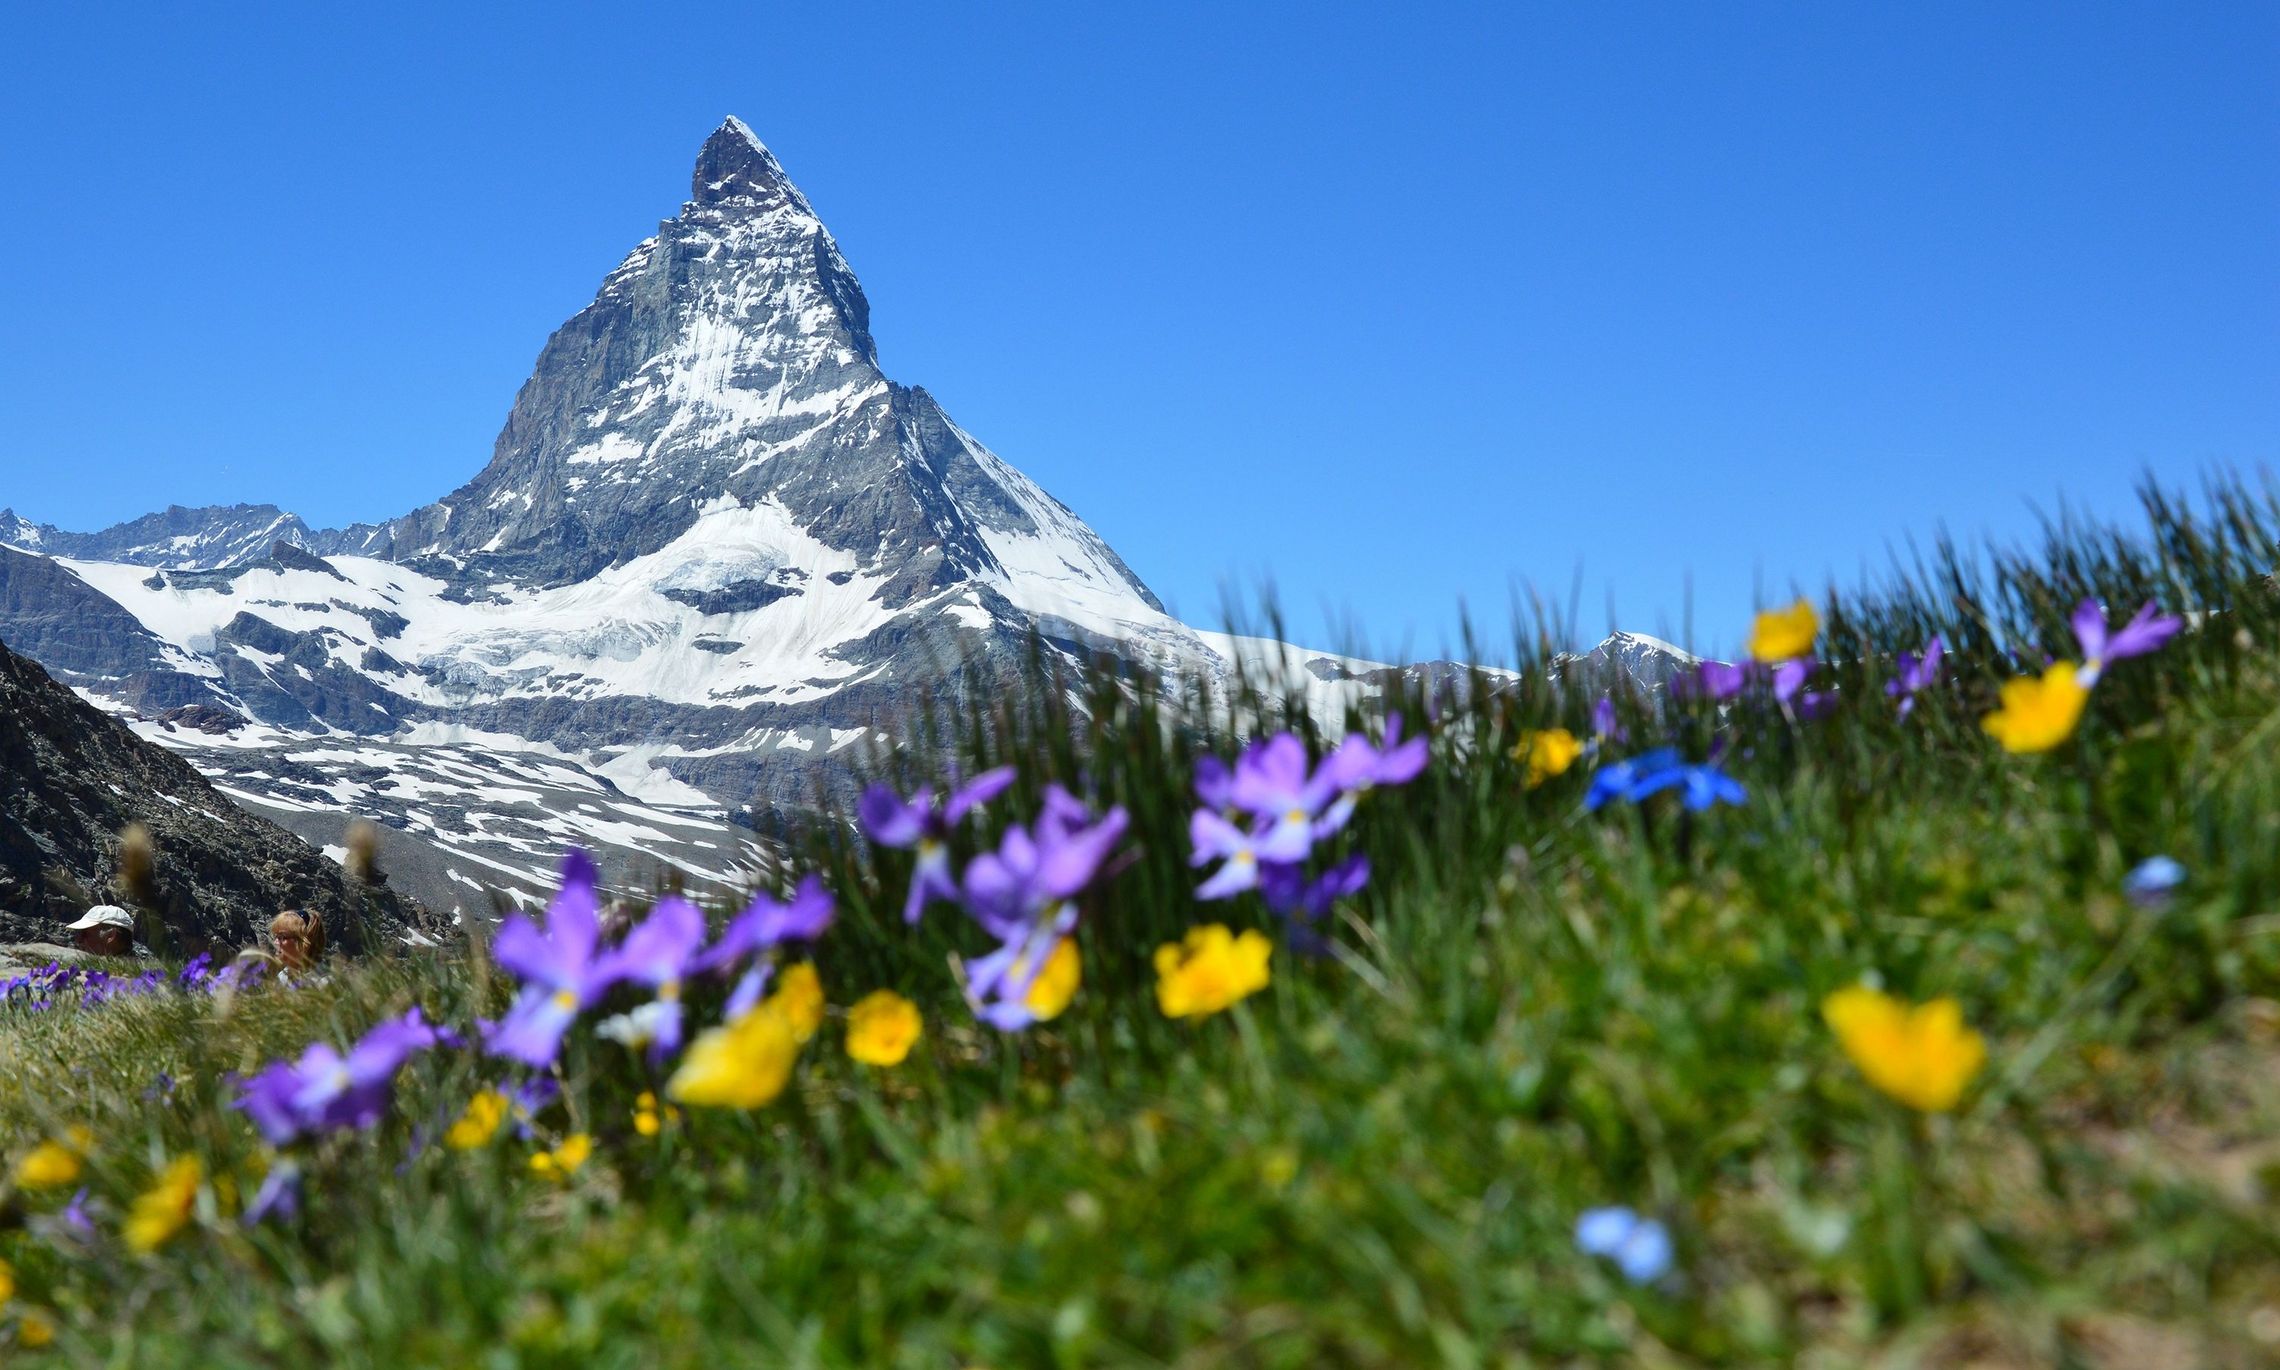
<point>735,165</point>
<point>725,375</point>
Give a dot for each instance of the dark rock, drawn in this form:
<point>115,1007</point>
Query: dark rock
<point>293,558</point>
<point>732,599</point>
<point>72,777</point>
<point>204,718</point>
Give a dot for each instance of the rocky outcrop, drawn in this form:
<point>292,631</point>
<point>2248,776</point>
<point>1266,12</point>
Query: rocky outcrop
<point>71,778</point>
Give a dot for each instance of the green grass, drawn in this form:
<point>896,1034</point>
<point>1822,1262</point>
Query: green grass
<point>1378,1161</point>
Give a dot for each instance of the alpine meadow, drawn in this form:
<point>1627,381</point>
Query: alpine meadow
<point>1891,998</point>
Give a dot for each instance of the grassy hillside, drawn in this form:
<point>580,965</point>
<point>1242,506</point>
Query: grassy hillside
<point>1534,1009</point>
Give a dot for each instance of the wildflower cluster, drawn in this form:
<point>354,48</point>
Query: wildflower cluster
<point>56,985</point>
<point>1267,817</point>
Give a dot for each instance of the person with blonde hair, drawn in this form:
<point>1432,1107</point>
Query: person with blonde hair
<point>299,939</point>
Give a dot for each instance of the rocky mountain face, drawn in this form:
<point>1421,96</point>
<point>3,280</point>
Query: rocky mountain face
<point>716,554</point>
<point>71,778</point>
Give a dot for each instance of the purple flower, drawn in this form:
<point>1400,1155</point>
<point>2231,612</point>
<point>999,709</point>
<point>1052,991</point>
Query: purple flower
<point>1640,1247</point>
<point>198,971</point>
<point>353,1090</point>
<point>1021,895</point>
<point>526,1099</point>
<point>1022,882</point>
<point>997,985</point>
<point>2146,631</point>
<point>1304,904</point>
<point>1214,784</point>
<point>561,974</point>
<point>1719,681</point>
<point>1789,689</point>
<point>749,987</point>
<point>1604,727</point>
<point>767,922</point>
<point>1274,783</point>
<point>1917,674</point>
<point>1357,766</point>
<point>75,1215</point>
<point>656,953</point>
<point>1277,793</point>
<point>326,1090</point>
<point>923,824</point>
<point>238,975</point>
<point>267,1100</point>
<point>1214,838</point>
<point>279,1195</point>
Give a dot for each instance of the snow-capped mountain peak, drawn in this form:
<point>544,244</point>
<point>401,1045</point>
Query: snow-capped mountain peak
<point>715,554</point>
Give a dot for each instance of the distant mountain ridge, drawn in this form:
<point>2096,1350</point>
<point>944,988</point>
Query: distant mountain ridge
<point>174,539</point>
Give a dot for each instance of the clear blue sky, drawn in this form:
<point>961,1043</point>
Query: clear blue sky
<point>1398,305</point>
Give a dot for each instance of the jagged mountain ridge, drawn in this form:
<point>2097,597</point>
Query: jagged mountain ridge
<point>174,539</point>
<point>715,552</point>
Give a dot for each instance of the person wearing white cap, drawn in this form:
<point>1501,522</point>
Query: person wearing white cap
<point>105,930</point>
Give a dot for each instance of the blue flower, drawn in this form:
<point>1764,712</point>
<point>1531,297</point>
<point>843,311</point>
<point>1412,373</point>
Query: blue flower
<point>1616,779</point>
<point>2153,880</point>
<point>1640,1247</point>
<point>1630,781</point>
<point>1699,786</point>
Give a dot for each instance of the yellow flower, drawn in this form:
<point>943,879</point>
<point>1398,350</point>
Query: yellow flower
<point>2038,714</point>
<point>742,1064</point>
<point>563,1161</point>
<point>1056,983</point>
<point>480,1123</point>
<point>53,1164</point>
<point>648,1118</point>
<point>164,1209</point>
<point>1209,971</point>
<point>881,1028</point>
<point>1784,634</point>
<point>799,998</point>
<point>1920,1054</point>
<point>1548,753</point>
<point>7,1281</point>
<point>36,1330</point>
